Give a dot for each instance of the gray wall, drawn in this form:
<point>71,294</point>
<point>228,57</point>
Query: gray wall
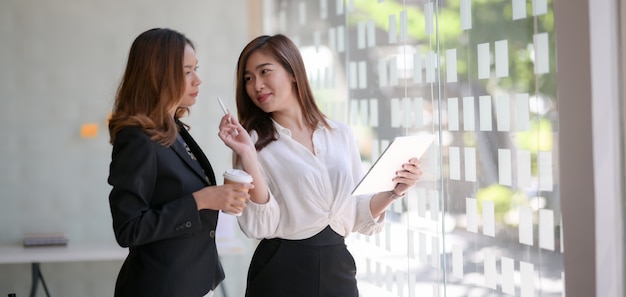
<point>60,62</point>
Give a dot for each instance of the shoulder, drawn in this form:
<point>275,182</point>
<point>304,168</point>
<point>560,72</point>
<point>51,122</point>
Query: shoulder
<point>132,140</point>
<point>339,128</point>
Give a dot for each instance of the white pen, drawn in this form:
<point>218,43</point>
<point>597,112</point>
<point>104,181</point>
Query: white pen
<point>235,133</point>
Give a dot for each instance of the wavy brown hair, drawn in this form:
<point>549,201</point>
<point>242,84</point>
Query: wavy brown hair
<point>152,86</point>
<point>288,55</point>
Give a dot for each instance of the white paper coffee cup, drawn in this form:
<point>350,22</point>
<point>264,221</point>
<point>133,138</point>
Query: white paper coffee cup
<point>236,176</point>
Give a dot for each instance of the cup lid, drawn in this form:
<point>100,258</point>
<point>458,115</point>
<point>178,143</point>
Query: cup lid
<point>237,175</point>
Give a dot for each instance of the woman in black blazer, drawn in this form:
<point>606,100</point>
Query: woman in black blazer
<point>164,201</point>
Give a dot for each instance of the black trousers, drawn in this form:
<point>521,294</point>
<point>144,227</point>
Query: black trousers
<point>320,266</point>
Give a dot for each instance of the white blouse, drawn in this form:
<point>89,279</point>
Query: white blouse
<point>310,191</point>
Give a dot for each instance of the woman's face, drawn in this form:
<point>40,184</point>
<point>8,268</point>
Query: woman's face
<point>192,81</point>
<point>269,85</point>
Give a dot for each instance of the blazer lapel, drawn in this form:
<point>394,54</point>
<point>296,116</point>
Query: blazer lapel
<point>205,170</point>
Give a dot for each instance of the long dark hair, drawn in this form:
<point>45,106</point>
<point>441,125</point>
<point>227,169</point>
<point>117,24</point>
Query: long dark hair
<point>287,54</point>
<point>152,86</point>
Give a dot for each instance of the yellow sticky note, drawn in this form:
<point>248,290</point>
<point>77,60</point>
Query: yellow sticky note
<point>89,130</point>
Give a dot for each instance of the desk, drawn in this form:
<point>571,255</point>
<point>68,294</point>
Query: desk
<point>17,254</point>
<point>78,252</point>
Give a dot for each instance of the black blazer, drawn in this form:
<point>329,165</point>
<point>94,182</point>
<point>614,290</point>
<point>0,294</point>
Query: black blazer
<point>171,244</point>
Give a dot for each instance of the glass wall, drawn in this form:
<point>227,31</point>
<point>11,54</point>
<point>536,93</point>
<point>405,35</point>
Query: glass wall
<point>479,76</point>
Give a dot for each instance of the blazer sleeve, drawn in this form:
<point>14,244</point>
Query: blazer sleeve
<point>138,217</point>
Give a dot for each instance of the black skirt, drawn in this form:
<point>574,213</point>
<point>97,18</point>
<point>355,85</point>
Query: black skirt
<point>320,266</point>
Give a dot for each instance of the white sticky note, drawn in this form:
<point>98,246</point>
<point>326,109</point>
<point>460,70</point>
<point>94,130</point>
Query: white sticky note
<point>503,112</point>
<point>332,39</point>
<point>468,114</point>
<point>484,61</point>
<point>471,214</point>
<point>371,33</point>
<point>484,111</point>
<point>544,163</point>
<point>451,72</point>
<point>362,75</point>
<point>363,112</point>
<point>354,113</point>
<point>434,252</point>
<point>422,244</point>
<point>428,18</point>
<point>393,71</point>
<point>431,67</point>
<point>393,30</point>
<point>504,167</point>
<point>331,76</point>
<point>434,205</point>
<point>382,73</point>
<point>502,58</point>
<point>417,68</point>
<point>341,39</point>
<point>466,14</point>
<point>373,115</point>
<point>350,5</point>
<point>360,35</point>
<point>546,229</point>
<point>317,40</point>
<point>418,111</point>
<point>282,20</point>
<point>323,9</point>
<point>526,225</point>
<point>453,114</point>
<point>540,7</point>
<point>470,164</point>
<point>527,272</point>
<point>302,12</point>
<point>523,169</point>
<point>353,75</point>
<point>403,26</point>
<point>457,261</point>
<point>508,270</point>
<point>396,113</point>
<point>489,221</point>
<point>519,9</point>
<point>339,7</point>
<point>454,161</point>
<point>522,116</point>
<point>490,271</point>
<point>542,53</point>
<point>421,202</point>
<point>379,274</point>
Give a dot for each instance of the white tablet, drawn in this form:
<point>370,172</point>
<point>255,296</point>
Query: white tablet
<point>400,151</point>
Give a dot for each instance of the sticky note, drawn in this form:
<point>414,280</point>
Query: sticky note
<point>360,36</point>
<point>451,72</point>
<point>484,61</point>
<point>431,66</point>
<point>396,113</point>
<point>302,12</point>
<point>89,130</point>
<point>454,161</point>
<point>503,113</point>
<point>466,14</point>
<point>373,114</point>
<point>418,111</point>
<point>468,114</point>
<point>421,202</point>
<point>453,114</point>
<point>484,110</point>
<point>519,9</point>
<point>403,26</point>
<point>339,7</point>
<point>428,18</point>
<point>522,120</point>
<point>502,58</point>
<point>542,53</point>
<point>471,215</point>
<point>434,252</point>
<point>341,39</point>
<point>546,229</point>
<point>392,31</point>
<point>508,270</point>
<point>457,261</point>
<point>540,7</point>
<point>470,164</point>
<point>434,205</point>
<point>527,272</point>
<point>371,34</point>
<point>489,222</point>
<point>353,75</point>
<point>382,73</point>
<point>362,75</point>
<point>332,39</point>
<point>393,71</point>
<point>417,68</point>
<point>504,167</point>
<point>544,162</point>
<point>526,225</point>
<point>523,169</point>
<point>323,9</point>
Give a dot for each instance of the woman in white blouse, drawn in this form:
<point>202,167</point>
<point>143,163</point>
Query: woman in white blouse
<point>304,166</point>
